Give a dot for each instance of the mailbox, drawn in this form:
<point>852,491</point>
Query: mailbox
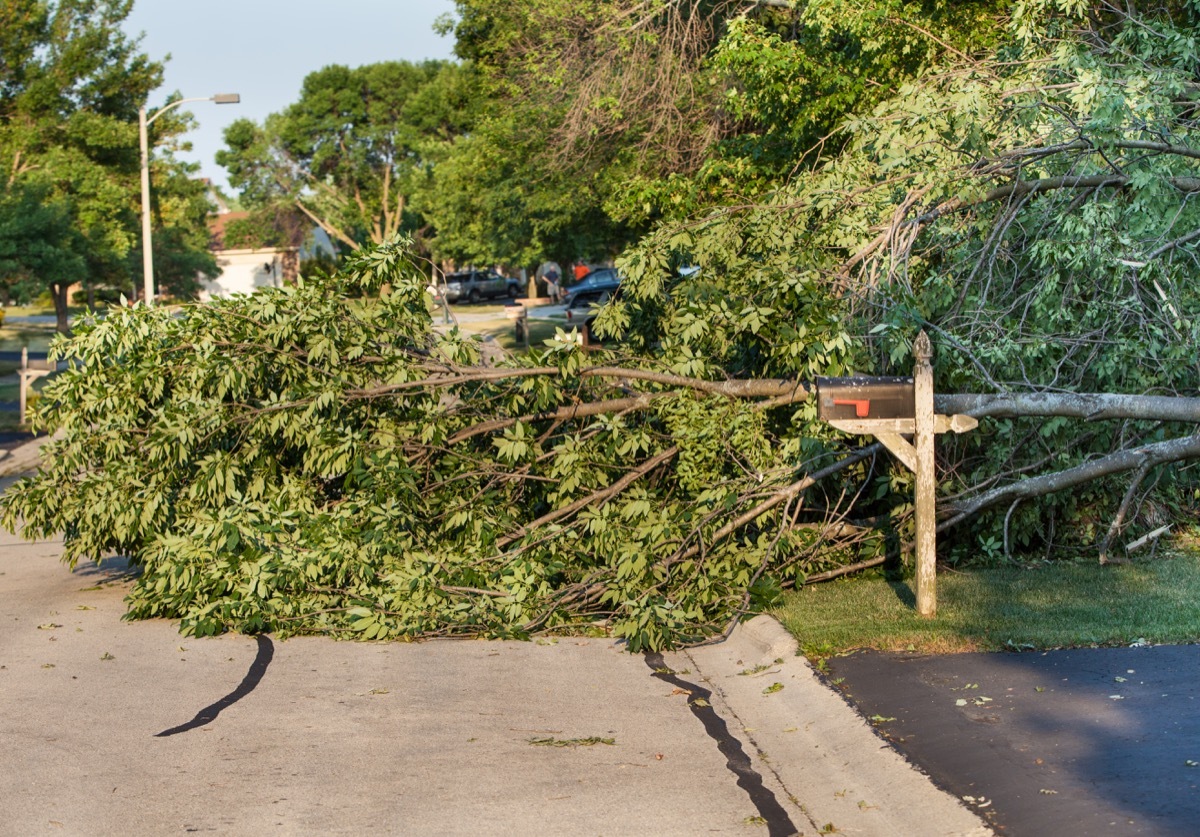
<point>865,398</point>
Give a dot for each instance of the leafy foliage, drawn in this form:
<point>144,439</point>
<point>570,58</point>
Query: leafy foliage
<point>71,83</point>
<point>316,458</point>
<point>1033,209</point>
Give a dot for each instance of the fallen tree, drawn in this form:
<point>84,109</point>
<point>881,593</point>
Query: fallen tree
<point>318,458</point>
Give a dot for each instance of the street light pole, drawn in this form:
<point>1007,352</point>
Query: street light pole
<point>144,142</point>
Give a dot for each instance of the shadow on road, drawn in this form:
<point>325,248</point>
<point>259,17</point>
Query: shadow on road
<point>266,651</point>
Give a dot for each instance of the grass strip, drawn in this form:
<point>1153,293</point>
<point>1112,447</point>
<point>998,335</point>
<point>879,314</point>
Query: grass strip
<point>1047,605</point>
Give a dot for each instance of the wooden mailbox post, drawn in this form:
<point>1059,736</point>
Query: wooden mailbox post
<point>891,409</point>
<point>29,372</point>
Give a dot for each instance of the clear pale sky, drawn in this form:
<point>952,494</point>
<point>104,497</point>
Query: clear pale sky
<point>263,49</point>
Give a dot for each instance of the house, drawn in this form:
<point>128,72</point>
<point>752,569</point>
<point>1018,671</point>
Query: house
<point>247,264</point>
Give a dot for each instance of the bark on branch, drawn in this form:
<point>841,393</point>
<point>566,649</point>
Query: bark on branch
<point>1022,188</point>
<point>1087,406</point>
<point>1146,456</point>
<point>443,375</point>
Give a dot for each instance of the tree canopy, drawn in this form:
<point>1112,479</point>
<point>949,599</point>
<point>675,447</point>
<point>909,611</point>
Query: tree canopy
<point>354,149</point>
<point>71,84</point>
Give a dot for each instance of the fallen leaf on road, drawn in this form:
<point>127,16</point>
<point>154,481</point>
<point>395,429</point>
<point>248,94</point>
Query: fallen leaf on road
<point>572,742</point>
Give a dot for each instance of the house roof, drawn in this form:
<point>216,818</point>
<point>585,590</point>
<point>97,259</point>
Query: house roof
<point>218,227</point>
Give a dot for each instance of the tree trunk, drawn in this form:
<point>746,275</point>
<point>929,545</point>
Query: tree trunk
<point>1143,457</point>
<point>60,292</point>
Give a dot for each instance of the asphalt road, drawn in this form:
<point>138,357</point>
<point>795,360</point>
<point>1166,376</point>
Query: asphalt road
<point>1074,742</point>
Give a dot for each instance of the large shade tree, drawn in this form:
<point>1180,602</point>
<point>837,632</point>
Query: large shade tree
<point>353,150</point>
<point>71,83</point>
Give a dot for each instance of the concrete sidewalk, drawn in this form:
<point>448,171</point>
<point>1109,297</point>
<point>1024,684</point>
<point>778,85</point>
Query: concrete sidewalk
<point>114,727</point>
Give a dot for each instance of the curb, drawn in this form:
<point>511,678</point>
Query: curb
<point>774,639</point>
<point>828,760</point>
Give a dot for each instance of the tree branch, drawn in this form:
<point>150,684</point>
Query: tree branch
<point>572,411</point>
<point>1087,406</point>
<point>449,375</point>
<point>598,498</point>
<point>328,227</point>
<point>1021,188</point>
<point>1087,145</point>
<point>1147,456</point>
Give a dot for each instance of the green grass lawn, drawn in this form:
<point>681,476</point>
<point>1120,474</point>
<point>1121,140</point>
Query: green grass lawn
<point>37,339</point>
<point>1051,605</point>
<point>41,310</point>
<point>505,334</point>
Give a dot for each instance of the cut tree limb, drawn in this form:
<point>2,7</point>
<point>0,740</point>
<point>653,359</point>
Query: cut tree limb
<point>1146,456</point>
<point>1088,406</point>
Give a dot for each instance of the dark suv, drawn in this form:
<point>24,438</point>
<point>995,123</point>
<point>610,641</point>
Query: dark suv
<point>584,302</point>
<point>474,285</point>
<point>600,278</point>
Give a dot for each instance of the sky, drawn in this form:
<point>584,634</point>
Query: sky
<point>263,49</point>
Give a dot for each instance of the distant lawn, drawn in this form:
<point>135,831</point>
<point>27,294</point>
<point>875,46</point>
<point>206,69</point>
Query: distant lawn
<point>504,332</point>
<point>1047,606</point>
<point>41,310</point>
<point>13,339</point>
<point>489,321</point>
<point>10,388</point>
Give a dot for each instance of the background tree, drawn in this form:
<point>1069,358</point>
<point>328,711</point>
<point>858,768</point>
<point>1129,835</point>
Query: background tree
<point>38,243</point>
<point>70,86</point>
<point>599,119</point>
<point>354,149</point>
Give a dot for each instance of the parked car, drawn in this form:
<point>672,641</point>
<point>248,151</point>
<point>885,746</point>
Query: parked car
<point>585,302</point>
<point>474,285</point>
<point>602,278</point>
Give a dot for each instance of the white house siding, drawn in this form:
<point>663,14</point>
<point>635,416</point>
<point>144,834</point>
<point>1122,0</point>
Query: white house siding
<point>244,271</point>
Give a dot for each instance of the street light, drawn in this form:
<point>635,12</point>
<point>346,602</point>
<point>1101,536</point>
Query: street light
<point>144,139</point>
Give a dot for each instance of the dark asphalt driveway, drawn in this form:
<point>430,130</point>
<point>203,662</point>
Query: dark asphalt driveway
<point>1075,742</point>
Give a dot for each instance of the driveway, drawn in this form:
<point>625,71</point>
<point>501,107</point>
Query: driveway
<point>1073,742</point>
